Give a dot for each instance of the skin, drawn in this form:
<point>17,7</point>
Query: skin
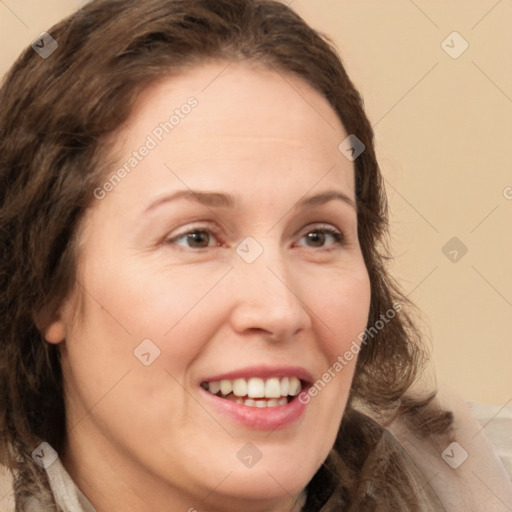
<point>142,437</point>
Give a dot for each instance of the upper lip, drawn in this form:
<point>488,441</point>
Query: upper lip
<point>263,372</point>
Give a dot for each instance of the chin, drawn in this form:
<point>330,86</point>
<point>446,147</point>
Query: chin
<point>276,475</point>
<point>266,484</point>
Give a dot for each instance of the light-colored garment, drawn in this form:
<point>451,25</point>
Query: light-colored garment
<point>67,494</point>
<point>497,421</point>
<point>468,476</point>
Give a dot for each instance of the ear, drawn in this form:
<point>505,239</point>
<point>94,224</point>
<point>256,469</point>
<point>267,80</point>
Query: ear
<point>55,320</point>
<point>55,332</point>
<point>53,326</point>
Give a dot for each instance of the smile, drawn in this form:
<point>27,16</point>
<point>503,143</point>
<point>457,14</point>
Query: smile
<point>255,391</point>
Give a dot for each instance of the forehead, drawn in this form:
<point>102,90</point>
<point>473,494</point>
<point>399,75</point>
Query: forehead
<point>247,123</point>
<point>229,91</point>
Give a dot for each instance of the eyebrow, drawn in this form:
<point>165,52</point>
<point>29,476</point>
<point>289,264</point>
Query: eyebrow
<point>224,200</point>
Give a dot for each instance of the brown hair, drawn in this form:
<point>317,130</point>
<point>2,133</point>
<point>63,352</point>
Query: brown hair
<point>55,116</point>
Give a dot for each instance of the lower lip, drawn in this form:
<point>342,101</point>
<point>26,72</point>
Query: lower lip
<point>265,418</point>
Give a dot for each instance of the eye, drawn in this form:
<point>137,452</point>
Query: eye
<point>319,236</point>
<point>202,237</point>
<point>198,237</point>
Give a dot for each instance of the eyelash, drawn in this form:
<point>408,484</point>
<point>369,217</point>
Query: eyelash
<point>337,235</point>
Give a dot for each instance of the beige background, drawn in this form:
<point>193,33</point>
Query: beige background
<point>443,129</point>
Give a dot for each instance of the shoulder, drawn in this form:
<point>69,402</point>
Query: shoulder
<point>368,469</point>
<point>464,469</point>
<point>6,491</point>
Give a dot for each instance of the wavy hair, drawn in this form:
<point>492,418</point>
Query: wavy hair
<point>56,114</point>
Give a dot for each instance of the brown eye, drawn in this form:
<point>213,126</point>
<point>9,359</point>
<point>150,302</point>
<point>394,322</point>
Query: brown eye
<point>198,239</point>
<point>318,237</point>
<point>195,238</point>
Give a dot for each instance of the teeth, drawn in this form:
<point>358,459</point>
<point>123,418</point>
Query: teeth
<point>275,390</point>
<point>214,387</point>
<point>273,402</point>
<point>239,387</point>
<point>285,386</point>
<point>256,388</point>
<point>294,386</point>
<point>226,387</point>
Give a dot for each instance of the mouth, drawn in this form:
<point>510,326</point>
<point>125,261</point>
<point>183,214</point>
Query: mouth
<point>258,397</point>
<point>256,392</point>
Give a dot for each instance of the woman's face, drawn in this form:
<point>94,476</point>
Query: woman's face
<point>251,283</point>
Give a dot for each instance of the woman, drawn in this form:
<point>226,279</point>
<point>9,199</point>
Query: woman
<point>196,313</point>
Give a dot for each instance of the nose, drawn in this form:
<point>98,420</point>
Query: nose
<point>267,297</point>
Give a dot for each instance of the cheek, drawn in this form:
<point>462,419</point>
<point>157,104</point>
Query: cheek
<point>127,360</point>
<point>140,333</point>
<point>343,307</point>
<point>132,301</point>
